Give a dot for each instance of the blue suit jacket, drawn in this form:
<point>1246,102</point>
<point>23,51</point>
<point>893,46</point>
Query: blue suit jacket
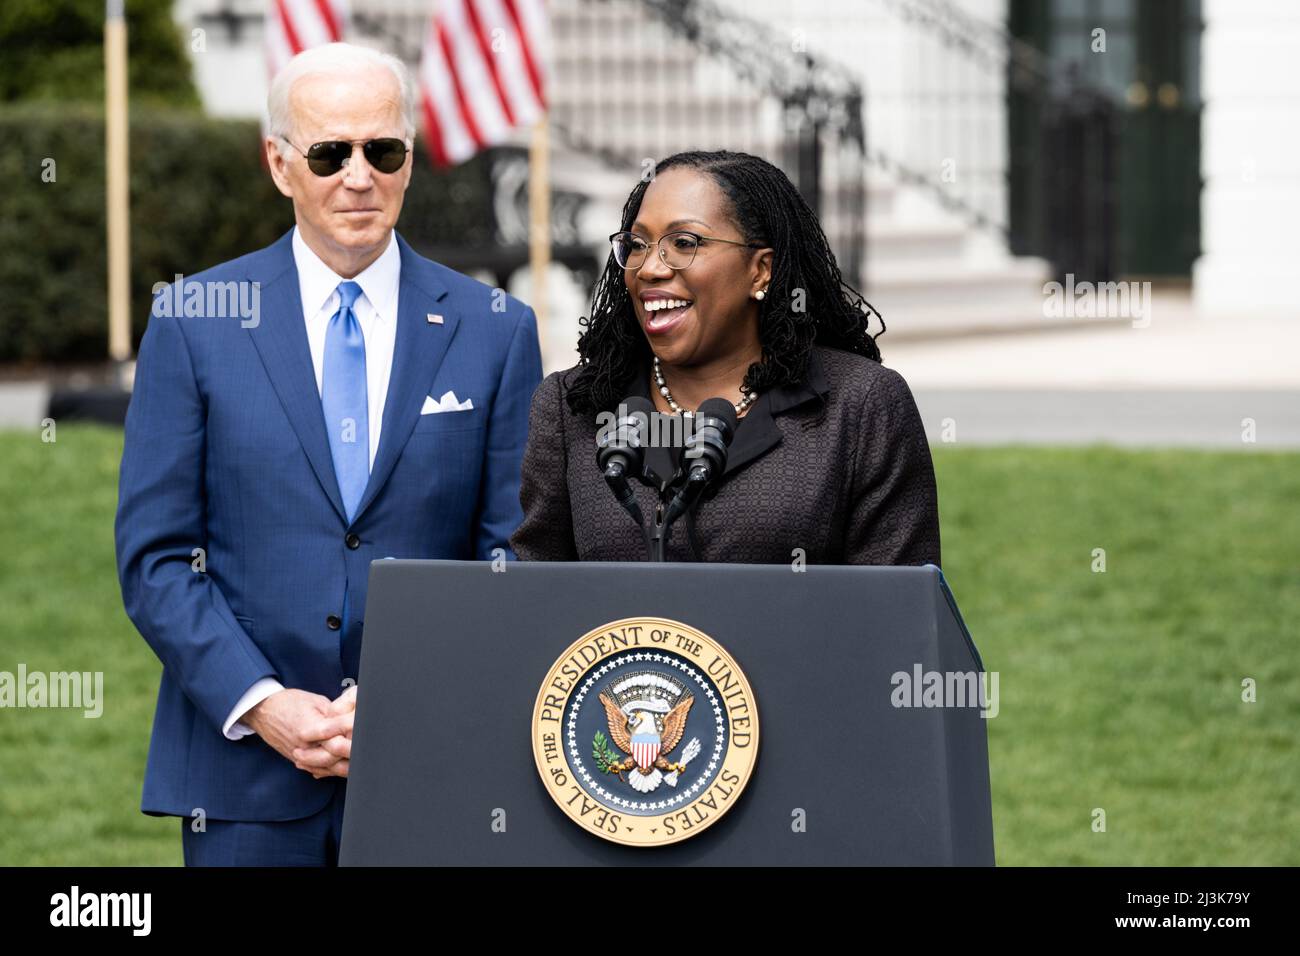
<point>226,450</point>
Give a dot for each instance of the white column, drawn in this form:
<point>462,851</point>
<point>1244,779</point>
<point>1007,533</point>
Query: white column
<point>1250,159</point>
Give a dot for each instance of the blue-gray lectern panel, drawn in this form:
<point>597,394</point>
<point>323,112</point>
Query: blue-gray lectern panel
<point>856,765</point>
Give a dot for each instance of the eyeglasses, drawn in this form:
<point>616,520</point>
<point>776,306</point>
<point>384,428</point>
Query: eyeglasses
<point>325,159</point>
<point>630,249</point>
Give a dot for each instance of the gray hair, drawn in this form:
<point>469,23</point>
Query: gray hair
<point>333,58</point>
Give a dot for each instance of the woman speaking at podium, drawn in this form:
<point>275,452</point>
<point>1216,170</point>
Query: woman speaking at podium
<point>720,283</point>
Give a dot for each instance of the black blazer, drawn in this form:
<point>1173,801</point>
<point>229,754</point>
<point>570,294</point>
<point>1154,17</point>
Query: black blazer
<point>837,466</point>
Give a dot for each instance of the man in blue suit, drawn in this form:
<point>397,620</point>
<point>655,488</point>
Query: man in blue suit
<point>370,404</point>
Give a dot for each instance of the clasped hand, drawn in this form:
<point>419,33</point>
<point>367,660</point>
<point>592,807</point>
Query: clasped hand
<point>311,731</point>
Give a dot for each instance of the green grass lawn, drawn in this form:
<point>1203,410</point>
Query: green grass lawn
<point>1118,690</point>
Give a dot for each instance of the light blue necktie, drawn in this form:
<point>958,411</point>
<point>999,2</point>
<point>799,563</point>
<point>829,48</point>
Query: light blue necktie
<point>343,399</point>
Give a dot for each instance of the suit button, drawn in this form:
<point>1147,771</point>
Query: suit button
<point>333,622</point>
<point>352,541</point>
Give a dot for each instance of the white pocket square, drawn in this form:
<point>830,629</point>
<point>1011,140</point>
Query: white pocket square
<point>447,403</point>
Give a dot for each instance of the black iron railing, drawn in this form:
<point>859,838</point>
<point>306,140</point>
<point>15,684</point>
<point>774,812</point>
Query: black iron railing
<point>697,75</point>
<point>1052,188</point>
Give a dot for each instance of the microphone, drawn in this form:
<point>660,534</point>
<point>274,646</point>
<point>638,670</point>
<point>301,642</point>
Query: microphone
<point>620,451</point>
<point>704,456</point>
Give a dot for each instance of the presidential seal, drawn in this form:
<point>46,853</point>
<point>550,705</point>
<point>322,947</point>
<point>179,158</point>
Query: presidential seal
<point>645,731</point>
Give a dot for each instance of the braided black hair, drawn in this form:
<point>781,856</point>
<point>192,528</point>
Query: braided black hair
<point>769,211</point>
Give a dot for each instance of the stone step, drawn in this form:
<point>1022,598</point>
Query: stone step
<point>920,298</point>
<point>890,241</point>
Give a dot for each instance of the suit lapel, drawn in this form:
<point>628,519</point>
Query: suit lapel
<point>417,354</point>
<point>756,435</point>
<point>759,433</point>
<point>281,340</point>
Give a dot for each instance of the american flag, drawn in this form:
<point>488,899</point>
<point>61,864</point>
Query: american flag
<point>296,25</point>
<point>482,74</point>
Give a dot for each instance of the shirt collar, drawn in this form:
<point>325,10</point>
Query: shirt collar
<point>757,433</point>
<point>378,281</point>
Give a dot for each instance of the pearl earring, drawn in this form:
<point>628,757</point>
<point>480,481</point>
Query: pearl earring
<point>759,294</point>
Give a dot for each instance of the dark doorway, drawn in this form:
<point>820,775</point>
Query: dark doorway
<point>1150,68</point>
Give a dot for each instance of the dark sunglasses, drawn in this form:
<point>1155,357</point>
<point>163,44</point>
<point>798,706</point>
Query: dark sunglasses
<point>325,159</point>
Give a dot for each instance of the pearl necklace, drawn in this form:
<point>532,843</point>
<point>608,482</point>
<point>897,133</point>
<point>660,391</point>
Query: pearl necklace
<point>744,403</point>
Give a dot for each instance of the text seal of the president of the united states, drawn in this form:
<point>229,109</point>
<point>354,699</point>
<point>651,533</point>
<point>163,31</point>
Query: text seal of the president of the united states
<point>645,731</point>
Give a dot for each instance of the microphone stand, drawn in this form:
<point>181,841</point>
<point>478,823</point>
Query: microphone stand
<point>621,455</point>
<point>660,530</point>
<point>703,456</point>
<point>657,531</point>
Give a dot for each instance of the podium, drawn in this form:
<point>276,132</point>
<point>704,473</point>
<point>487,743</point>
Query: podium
<point>867,751</point>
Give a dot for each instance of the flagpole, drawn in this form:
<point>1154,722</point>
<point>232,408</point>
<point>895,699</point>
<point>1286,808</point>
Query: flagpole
<point>539,220</point>
<point>118,211</point>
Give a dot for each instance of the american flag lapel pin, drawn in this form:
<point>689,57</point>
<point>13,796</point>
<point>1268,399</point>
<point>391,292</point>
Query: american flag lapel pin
<point>433,318</point>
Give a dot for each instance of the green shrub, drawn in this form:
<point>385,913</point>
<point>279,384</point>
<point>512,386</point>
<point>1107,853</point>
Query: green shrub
<point>53,50</point>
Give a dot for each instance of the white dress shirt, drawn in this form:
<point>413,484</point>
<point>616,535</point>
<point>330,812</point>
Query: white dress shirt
<point>376,311</point>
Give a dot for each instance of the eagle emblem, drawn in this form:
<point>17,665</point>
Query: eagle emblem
<point>644,731</point>
<point>646,713</point>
